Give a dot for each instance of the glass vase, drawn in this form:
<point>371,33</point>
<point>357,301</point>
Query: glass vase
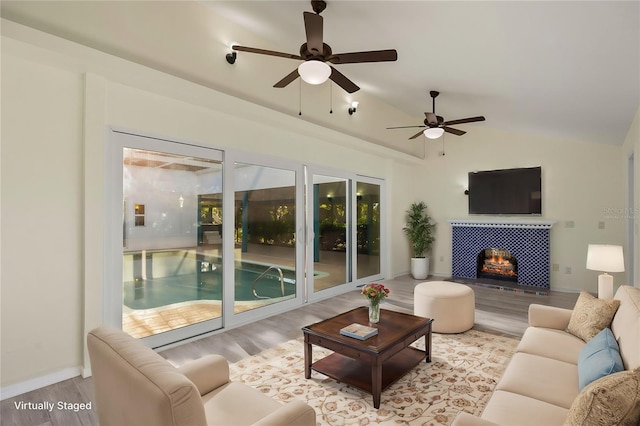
<point>374,311</point>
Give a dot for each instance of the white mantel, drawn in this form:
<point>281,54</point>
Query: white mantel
<point>503,223</point>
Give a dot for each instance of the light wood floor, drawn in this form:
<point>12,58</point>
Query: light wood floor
<point>501,312</point>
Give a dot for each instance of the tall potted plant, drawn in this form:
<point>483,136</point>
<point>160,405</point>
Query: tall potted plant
<point>419,229</point>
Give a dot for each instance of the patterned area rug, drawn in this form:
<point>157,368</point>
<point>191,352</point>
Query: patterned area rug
<point>462,375</point>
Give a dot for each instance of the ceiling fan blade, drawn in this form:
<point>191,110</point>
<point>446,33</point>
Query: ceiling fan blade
<point>416,135</point>
<point>431,118</point>
<point>464,120</point>
<point>404,127</point>
<point>454,131</point>
<point>342,81</point>
<point>265,52</point>
<point>288,79</point>
<point>357,57</point>
<point>313,28</point>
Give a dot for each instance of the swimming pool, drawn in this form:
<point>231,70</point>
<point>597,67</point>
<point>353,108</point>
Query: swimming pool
<point>205,283</point>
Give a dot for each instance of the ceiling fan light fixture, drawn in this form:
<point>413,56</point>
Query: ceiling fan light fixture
<point>314,72</point>
<point>433,132</point>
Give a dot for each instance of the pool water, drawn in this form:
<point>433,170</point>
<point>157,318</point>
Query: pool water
<point>156,292</point>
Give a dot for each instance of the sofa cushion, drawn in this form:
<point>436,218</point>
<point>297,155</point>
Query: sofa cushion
<point>236,404</point>
<point>551,343</point>
<point>626,326</point>
<point>590,315</point>
<point>611,400</point>
<point>599,357</point>
<point>544,379</point>
<point>507,408</point>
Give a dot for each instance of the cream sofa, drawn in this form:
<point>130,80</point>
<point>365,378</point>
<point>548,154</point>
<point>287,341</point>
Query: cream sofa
<point>136,386</point>
<point>540,383</point>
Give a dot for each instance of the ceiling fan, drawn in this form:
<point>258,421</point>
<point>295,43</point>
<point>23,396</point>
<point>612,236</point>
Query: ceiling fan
<point>316,54</point>
<point>435,124</point>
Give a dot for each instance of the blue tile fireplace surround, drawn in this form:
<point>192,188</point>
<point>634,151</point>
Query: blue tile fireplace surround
<point>526,240</point>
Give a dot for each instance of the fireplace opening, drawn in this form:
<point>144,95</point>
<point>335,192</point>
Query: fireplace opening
<point>497,263</point>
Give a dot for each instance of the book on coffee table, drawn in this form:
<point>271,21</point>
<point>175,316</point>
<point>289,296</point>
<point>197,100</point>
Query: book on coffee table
<point>358,331</point>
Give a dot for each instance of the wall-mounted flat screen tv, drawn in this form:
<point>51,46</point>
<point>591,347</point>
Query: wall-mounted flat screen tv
<point>508,191</point>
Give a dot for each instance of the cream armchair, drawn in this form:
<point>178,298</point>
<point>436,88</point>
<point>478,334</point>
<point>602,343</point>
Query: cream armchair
<point>136,386</point>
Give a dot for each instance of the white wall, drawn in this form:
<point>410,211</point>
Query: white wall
<point>582,183</point>
<point>42,216</point>
<point>58,101</point>
<point>59,97</point>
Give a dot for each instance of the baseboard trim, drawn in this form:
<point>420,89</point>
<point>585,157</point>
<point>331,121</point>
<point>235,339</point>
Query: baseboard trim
<point>568,290</point>
<point>38,382</point>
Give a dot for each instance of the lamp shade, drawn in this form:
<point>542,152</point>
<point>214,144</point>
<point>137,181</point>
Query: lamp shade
<point>605,258</point>
<point>314,72</point>
<point>433,132</point>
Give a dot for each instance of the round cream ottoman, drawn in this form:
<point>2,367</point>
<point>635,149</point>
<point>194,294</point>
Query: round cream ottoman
<point>452,306</point>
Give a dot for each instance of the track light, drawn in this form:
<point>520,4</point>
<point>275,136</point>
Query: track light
<point>353,107</point>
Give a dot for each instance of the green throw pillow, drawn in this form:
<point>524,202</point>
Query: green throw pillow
<point>591,315</point>
<point>611,400</point>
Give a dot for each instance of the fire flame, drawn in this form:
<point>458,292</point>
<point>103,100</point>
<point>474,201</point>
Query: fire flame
<point>498,265</point>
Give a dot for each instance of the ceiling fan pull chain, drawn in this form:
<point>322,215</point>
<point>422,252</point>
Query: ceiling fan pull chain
<point>330,97</point>
<point>300,97</point>
<point>443,136</point>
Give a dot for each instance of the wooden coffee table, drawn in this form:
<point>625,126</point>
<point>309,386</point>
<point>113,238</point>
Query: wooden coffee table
<point>373,364</point>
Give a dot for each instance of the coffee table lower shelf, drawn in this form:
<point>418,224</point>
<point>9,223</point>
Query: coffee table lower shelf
<point>358,373</point>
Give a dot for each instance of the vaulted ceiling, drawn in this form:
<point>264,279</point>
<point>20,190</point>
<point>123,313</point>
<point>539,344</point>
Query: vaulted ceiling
<point>564,69</point>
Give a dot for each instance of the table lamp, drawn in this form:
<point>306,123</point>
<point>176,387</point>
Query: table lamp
<point>605,258</point>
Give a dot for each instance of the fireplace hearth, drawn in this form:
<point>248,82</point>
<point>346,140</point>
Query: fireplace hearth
<point>512,250</point>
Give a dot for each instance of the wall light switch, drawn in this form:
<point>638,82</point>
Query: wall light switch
<point>555,267</point>
<point>567,270</point>
<point>569,224</point>
<point>441,258</point>
<point>601,225</point>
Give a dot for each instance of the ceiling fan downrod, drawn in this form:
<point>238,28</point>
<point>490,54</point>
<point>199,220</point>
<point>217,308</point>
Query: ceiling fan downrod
<point>434,94</point>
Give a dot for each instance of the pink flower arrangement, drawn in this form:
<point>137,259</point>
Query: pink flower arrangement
<point>375,292</point>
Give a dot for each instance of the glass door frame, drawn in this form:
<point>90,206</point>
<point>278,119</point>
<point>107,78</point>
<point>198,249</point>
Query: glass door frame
<point>113,297</point>
<point>352,259</point>
<point>383,229</point>
<point>113,294</point>
<point>232,157</point>
<point>312,171</point>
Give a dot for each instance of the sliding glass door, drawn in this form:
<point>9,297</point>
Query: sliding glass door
<point>171,245</point>
<point>264,236</point>
<point>369,229</point>
<point>197,243</point>
<point>329,251</point>
<point>346,236</point>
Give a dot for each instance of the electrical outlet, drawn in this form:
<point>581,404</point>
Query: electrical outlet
<point>601,225</point>
<point>569,224</point>
<point>555,267</point>
<point>567,269</point>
